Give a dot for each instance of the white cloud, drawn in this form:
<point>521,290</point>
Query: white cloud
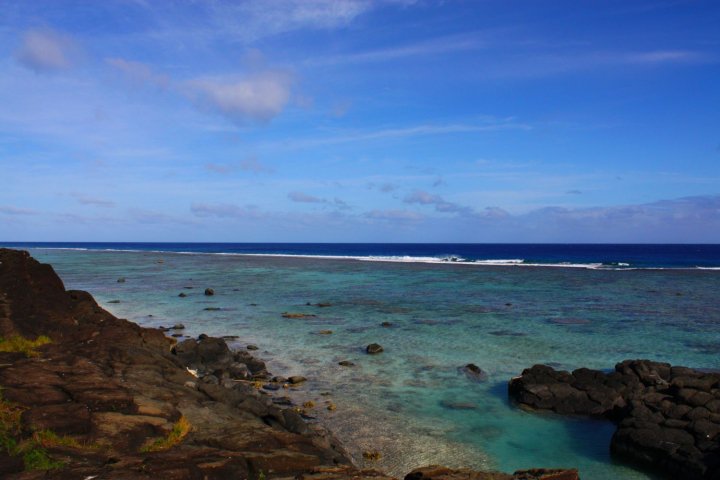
<point>44,50</point>
<point>257,97</point>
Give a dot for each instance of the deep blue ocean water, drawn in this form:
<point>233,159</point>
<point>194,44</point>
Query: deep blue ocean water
<point>502,307</point>
<point>588,255</point>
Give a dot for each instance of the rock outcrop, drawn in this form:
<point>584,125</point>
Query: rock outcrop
<point>668,417</point>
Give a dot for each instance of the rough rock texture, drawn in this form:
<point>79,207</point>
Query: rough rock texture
<point>668,417</point>
<point>112,385</point>
<point>109,387</point>
<point>435,472</point>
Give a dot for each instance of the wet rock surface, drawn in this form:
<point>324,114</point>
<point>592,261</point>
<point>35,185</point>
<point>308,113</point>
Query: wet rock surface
<point>668,417</point>
<point>110,389</point>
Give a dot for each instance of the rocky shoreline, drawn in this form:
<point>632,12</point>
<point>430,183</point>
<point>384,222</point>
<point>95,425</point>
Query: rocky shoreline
<point>84,394</point>
<point>668,417</point>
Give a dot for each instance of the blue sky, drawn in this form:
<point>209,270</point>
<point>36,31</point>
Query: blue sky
<point>360,121</point>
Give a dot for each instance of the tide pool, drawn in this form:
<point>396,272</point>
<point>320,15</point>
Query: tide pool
<point>410,402</point>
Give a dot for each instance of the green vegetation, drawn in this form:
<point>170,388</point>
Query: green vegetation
<point>16,343</point>
<point>179,431</point>
<point>32,449</point>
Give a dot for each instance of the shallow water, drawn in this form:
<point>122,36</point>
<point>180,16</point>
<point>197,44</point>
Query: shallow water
<point>443,316</point>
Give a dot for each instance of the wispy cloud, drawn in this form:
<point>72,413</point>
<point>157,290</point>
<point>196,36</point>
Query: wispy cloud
<point>225,210</point>
<point>97,202</point>
<point>411,131</point>
<point>529,64</point>
<point>394,215</point>
<point>45,50</point>
<point>250,164</point>
<point>138,73</point>
<point>11,210</point>
<point>255,19</point>
<point>300,197</point>
<point>426,48</point>
<point>441,205</point>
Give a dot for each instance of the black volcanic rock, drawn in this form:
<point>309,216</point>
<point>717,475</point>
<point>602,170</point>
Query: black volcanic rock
<point>668,417</point>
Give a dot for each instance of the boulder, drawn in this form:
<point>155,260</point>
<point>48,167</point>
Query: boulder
<point>209,292</point>
<point>374,348</point>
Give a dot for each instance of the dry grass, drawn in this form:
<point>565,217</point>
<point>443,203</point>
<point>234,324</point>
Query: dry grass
<point>179,431</point>
<point>16,343</point>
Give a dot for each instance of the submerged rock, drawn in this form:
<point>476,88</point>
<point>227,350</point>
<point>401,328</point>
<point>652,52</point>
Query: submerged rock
<point>297,379</point>
<point>346,363</point>
<point>474,372</point>
<point>209,292</point>
<point>374,348</point>
<point>182,294</point>
<point>297,315</point>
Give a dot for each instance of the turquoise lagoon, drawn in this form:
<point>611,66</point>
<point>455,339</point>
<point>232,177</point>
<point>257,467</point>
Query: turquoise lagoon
<point>443,316</point>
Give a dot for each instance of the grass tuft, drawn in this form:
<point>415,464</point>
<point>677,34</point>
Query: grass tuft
<point>16,343</point>
<point>32,450</point>
<point>179,431</point>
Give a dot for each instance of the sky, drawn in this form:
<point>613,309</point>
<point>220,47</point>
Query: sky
<point>360,121</point>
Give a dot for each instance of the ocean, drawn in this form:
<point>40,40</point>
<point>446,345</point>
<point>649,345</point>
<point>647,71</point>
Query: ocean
<point>501,307</point>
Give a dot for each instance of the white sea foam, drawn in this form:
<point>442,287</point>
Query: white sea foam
<point>445,259</point>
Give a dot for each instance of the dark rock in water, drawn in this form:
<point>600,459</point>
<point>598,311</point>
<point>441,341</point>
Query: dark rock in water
<point>271,386</point>
<point>121,280</point>
<point>297,315</point>
<point>252,347</point>
<point>296,379</point>
<point>202,336</point>
<point>373,348</point>
<point>212,309</point>
<point>209,292</point>
<point>436,472</point>
<point>177,335</point>
<point>325,332</point>
<point>474,372</point>
<point>285,401</point>
<point>114,301</point>
<point>279,379</point>
<point>386,324</point>
<point>239,371</point>
<point>668,417</point>
<point>507,333</point>
<point>458,405</point>
<point>178,326</point>
<point>182,294</point>
<point>346,363</point>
